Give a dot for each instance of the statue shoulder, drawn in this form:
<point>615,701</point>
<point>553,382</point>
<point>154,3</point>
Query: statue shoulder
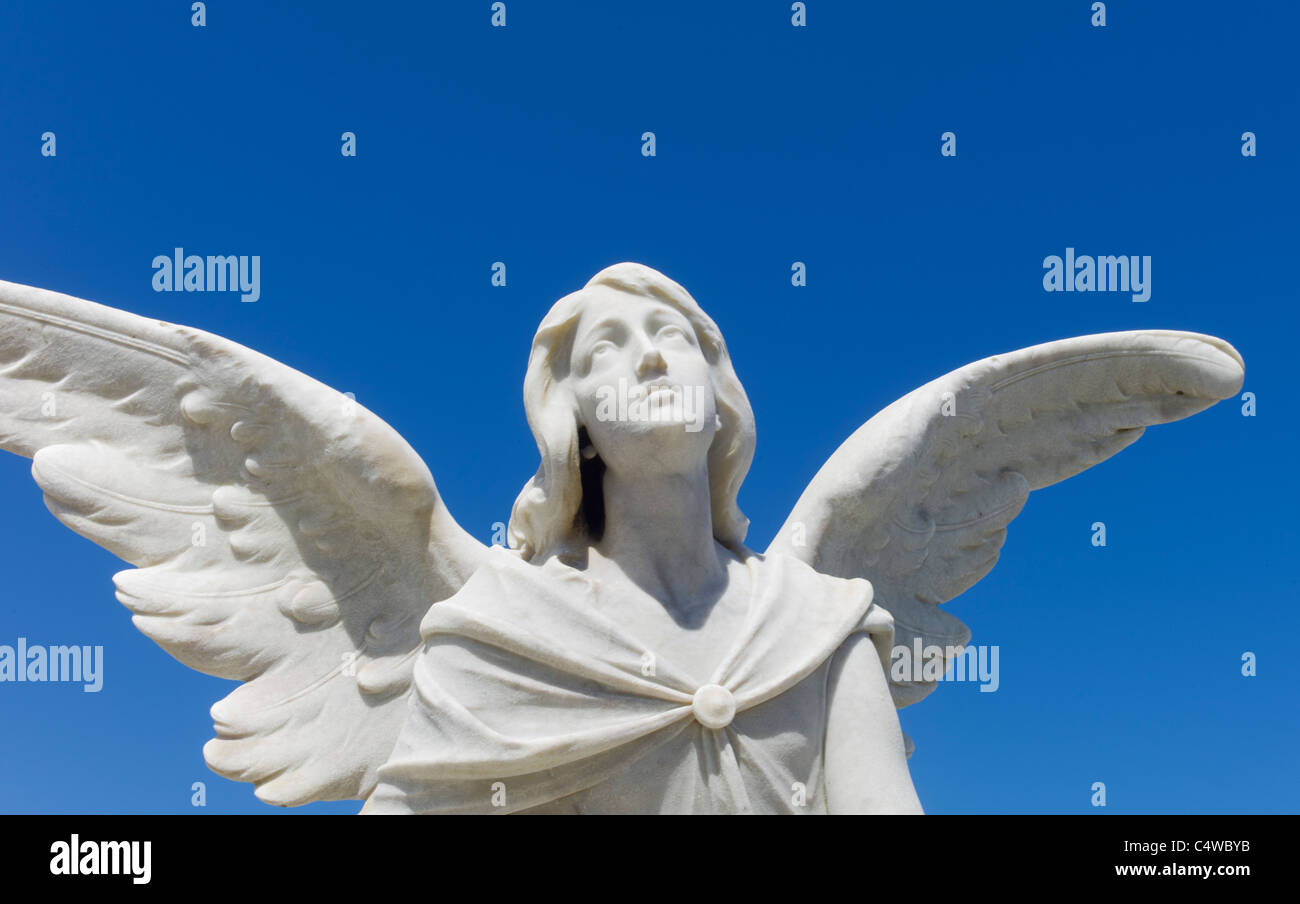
<point>807,585</point>
<point>508,587</point>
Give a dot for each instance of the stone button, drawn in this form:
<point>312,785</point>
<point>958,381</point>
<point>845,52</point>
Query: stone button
<point>714,706</point>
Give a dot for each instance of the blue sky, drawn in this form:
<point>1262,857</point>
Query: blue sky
<point>775,144</point>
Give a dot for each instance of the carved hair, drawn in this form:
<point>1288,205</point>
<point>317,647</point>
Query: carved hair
<point>548,515</point>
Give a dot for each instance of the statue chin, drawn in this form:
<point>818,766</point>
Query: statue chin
<point>644,447</point>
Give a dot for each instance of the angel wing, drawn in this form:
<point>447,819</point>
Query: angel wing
<point>284,536</point>
<point>918,499</point>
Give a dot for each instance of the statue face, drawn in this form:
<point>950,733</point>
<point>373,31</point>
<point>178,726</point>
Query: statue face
<point>643,388</point>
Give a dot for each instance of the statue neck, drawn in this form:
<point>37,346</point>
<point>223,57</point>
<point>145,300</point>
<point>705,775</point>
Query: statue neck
<point>659,531</point>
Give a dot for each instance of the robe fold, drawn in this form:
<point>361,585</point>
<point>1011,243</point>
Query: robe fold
<point>528,698</point>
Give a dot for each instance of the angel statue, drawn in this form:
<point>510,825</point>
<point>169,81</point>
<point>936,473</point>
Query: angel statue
<point>626,652</point>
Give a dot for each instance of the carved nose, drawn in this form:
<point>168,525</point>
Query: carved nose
<point>651,362</point>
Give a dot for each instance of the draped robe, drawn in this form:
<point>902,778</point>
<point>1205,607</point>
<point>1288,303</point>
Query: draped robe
<point>527,697</point>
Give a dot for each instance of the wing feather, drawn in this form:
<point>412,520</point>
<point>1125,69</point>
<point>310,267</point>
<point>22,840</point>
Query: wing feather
<point>283,536</point>
<point>918,499</point>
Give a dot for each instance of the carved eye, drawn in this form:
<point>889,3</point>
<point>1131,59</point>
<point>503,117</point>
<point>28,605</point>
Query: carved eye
<point>600,348</point>
<point>672,331</point>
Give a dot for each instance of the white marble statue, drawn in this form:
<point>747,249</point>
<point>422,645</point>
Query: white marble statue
<point>627,653</point>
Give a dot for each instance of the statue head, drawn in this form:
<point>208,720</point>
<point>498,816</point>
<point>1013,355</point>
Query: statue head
<point>628,332</point>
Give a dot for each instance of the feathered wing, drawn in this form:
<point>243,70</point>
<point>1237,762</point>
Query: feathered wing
<point>918,499</point>
<point>284,536</point>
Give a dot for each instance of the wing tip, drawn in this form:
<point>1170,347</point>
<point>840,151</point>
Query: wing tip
<point>1218,354</point>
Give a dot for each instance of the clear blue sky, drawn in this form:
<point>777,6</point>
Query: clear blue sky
<point>774,144</point>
